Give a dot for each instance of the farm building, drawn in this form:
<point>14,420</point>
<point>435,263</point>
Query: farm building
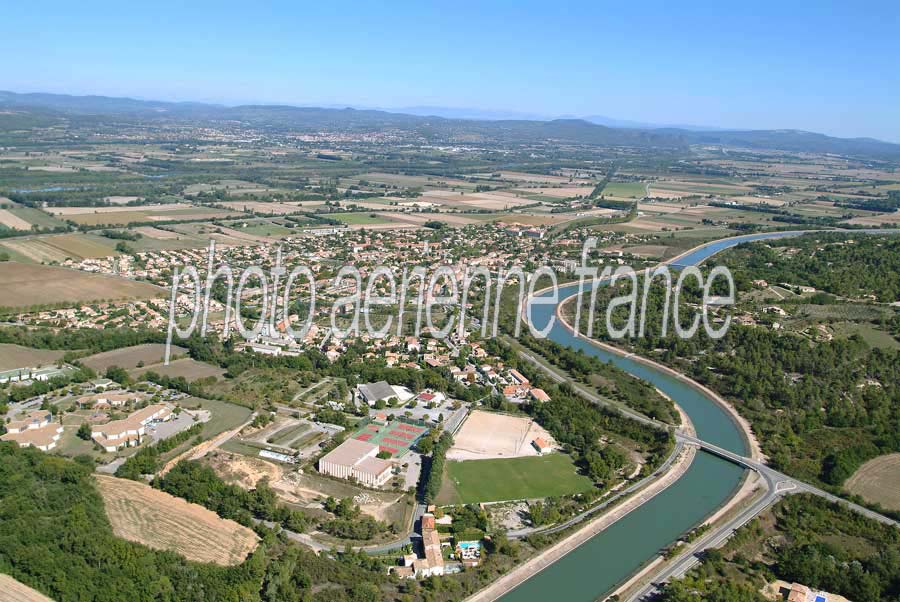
<point>129,431</point>
<point>355,459</point>
<point>433,563</point>
<point>25,374</point>
<point>36,430</point>
<point>539,394</point>
<point>518,377</point>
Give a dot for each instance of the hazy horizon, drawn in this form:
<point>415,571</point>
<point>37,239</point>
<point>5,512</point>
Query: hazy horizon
<point>828,69</point>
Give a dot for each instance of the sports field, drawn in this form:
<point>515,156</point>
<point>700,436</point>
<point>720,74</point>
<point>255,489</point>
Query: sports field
<point>486,435</point>
<point>535,477</point>
<point>395,437</point>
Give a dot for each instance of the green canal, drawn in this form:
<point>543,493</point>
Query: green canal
<point>611,557</point>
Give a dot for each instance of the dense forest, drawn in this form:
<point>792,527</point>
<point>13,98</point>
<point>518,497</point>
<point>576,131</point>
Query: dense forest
<point>845,265</point>
<point>55,537</point>
<point>821,409</point>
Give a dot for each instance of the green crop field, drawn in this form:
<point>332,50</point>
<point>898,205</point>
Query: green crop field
<point>531,477</point>
<point>266,229</point>
<point>632,190</point>
<point>359,218</point>
<point>37,217</point>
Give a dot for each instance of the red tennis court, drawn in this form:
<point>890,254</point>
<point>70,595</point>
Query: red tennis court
<point>402,434</point>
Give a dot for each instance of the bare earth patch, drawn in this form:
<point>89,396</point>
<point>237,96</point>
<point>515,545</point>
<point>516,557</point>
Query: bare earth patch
<point>488,435</point>
<point>243,470</point>
<point>161,521</point>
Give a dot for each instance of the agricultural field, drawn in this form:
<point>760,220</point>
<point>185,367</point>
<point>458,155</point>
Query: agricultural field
<point>418,219</point>
<point>189,369</point>
<point>267,229</point>
<point>665,188</point>
<point>121,218</point>
<point>518,176</point>
<point>406,181</point>
<point>360,218</point>
<point>489,201</point>
<point>272,208</point>
<point>34,217</point>
<point>14,591</point>
<point>537,477</point>
<point>555,193</point>
<point>139,513</point>
<point>59,247</point>
<point>13,221</point>
<point>30,285</point>
<point>16,356</point>
<point>878,481</point>
<point>627,190</point>
<point>130,357</point>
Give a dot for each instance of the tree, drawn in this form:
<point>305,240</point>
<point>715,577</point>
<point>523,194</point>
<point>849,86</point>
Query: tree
<point>84,431</point>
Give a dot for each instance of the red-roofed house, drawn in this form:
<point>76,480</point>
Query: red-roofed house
<point>542,445</point>
<point>539,395</point>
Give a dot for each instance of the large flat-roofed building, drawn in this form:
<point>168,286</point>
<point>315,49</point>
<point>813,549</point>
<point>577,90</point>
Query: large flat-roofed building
<point>355,459</point>
<point>37,429</point>
<point>24,374</point>
<point>117,434</point>
<point>374,392</point>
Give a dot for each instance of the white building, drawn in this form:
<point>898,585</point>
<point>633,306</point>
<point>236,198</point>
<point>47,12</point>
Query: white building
<point>130,431</point>
<point>35,430</point>
<point>355,459</point>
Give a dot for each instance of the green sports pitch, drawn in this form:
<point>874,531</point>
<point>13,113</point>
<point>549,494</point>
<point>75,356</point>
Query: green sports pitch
<point>530,477</point>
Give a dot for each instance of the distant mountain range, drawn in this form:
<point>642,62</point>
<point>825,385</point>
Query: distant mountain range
<point>453,124</point>
<point>489,115</point>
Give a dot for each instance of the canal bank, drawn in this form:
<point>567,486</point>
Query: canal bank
<point>624,548</point>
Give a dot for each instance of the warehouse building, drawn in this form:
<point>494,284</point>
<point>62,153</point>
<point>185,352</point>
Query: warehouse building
<point>355,459</point>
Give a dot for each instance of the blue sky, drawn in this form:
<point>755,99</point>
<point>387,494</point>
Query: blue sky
<point>821,66</point>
